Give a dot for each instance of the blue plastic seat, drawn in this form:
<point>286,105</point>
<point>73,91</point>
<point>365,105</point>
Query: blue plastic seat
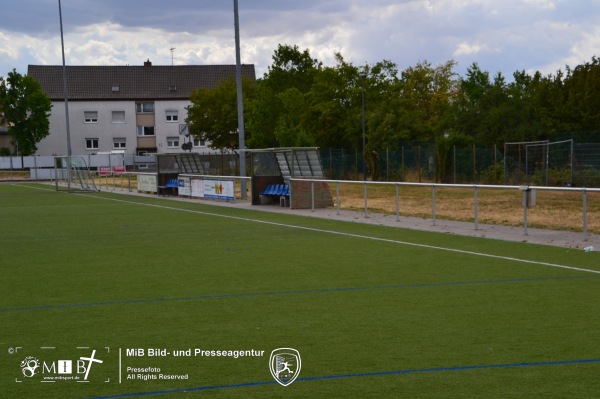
<point>268,190</point>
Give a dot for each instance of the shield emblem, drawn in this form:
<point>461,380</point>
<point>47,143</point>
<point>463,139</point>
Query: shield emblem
<point>285,365</point>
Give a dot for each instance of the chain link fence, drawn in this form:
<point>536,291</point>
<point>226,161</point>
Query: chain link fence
<point>423,162</point>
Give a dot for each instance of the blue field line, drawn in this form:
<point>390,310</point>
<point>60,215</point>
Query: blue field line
<point>295,292</point>
<point>356,375</point>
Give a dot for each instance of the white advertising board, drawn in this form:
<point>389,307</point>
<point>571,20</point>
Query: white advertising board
<point>147,183</point>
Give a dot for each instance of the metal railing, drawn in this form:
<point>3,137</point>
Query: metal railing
<point>525,190</point>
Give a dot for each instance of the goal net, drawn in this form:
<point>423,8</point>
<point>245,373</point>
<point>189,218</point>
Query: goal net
<point>542,163</point>
<point>73,174</point>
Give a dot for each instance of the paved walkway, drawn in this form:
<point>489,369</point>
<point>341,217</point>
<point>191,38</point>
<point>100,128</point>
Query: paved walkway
<point>563,239</point>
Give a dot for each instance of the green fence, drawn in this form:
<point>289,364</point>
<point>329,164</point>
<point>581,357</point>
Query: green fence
<point>422,162</point>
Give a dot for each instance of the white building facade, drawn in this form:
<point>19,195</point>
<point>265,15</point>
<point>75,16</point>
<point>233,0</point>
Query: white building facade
<point>134,110</point>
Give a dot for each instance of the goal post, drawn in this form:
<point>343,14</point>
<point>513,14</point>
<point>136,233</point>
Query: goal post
<point>72,174</point>
<point>539,162</point>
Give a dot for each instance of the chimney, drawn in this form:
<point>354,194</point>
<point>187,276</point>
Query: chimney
<point>148,63</point>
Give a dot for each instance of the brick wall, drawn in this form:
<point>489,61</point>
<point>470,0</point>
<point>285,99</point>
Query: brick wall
<point>301,195</point>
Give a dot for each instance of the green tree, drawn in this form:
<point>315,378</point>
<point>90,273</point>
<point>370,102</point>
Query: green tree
<point>335,105</point>
<point>280,110</point>
<point>213,113</point>
<point>25,109</point>
<point>427,91</point>
<point>582,97</point>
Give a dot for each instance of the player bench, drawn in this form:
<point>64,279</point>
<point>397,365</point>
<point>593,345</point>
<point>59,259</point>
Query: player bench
<point>170,185</point>
<point>273,191</point>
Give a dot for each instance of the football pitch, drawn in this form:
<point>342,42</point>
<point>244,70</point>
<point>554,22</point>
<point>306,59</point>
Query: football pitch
<point>115,296</point>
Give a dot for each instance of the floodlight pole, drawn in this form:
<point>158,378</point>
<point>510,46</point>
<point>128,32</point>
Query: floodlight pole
<point>364,133</point>
<point>240,100</point>
<point>66,93</point>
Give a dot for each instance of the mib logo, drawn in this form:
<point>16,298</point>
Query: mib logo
<point>29,365</point>
<point>54,370</point>
<point>285,365</point>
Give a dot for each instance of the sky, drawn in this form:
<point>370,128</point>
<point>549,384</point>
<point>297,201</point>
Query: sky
<point>499,35</point>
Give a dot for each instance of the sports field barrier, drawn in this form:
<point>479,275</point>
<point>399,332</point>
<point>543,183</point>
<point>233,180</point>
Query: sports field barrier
<point>527,193</point>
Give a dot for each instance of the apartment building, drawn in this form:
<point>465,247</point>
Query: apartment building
<point>132,109</point>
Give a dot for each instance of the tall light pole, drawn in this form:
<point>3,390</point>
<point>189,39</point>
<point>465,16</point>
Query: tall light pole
<point>240,100</point>
<point>364,133</point>
<point>66,93</point>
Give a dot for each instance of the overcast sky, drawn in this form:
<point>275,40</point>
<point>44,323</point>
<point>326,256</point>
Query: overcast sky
<point>499,35</point>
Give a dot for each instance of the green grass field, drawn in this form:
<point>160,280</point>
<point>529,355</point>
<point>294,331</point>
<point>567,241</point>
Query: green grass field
<point>374,312</point>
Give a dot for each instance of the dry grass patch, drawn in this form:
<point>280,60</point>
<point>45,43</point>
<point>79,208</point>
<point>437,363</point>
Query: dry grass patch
<point>14,175</point>
<point>557,210</point>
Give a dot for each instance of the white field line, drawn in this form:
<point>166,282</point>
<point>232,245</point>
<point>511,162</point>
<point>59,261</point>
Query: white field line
<point>341,233</point>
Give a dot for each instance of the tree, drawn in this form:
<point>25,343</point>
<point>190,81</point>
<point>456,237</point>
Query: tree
<point>335,105</point>
<point>213,113</point>
<point>428,91</point>
<point>280,110</point>
<point>25,109</point>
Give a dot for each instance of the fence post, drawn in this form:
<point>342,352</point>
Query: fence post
<point>585,233</point>
<point>397,202</point>
<point>433,203</point>
<point>525,211</point>
<point>495,156</point>
<point>454,163</point>
<point>356,163</point>
<point>403,166</point>
<point>343,170</point>
<point>419,162</point>
<point>366,209</point>
<point>337,196</point>
<point>474,165</point>
<point>330,163</point>
<point>387,163</point>
<point>312,194</point>
<point>476,207</point>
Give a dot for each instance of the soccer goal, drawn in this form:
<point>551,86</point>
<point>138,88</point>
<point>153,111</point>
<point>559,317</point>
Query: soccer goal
<point>539,163</point>
<point>73,174</point>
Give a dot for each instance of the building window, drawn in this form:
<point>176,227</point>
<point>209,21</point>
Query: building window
<point>118,117</point>
<point>144,108</point>
<point>145,130</point>
<point>173,142</point>
<point>199,142</point>
<point>172,116</point>
<point>119,143</point>
<point>91,144</point>
<point>90,116</point>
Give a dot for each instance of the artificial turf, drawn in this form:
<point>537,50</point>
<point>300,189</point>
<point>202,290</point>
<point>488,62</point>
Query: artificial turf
<point>375,312</point>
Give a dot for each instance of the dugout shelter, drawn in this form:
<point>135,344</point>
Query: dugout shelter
<point>278,166</point>
<point>170,166</point>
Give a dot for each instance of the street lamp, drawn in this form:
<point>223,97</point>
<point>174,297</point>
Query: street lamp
<point>66,94</point>
<point>364,134</point>
<point>240,100</point>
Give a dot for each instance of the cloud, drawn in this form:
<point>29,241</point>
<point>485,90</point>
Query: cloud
<point>500,36</point>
